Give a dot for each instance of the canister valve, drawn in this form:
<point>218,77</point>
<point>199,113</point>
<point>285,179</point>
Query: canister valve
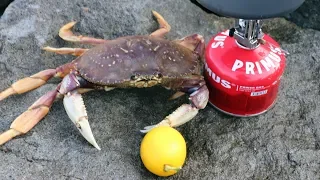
<point>247,33</point>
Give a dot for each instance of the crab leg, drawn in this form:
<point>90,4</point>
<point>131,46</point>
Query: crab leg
<point>27,120</point>
<point>66,34</point>
<point>193,42</point>
<point>28,83</point>
<point>176,95</point>
<point>198,98</point>
<point>35,81</point>
<point>164,26</point>
<point>72,51</point>
<point>71,88</point>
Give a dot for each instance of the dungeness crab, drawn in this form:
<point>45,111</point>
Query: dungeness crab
<point>125,62</point>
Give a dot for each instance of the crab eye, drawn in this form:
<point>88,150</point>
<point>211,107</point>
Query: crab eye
<point>133,77</point>
<point>158,75</point>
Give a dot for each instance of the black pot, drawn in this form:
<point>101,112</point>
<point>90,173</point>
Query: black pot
<point>251,9</point>
<point>3,5</point>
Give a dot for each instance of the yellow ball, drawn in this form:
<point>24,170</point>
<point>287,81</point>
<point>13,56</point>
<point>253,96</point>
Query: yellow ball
<point>163,151</point>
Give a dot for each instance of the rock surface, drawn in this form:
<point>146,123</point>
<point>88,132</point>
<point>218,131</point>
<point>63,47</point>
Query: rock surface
<point>307,15</point>
<point>283,143</point>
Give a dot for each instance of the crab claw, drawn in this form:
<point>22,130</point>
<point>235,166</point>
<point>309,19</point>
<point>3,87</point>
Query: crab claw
<point>76,111</point>
<point>185,112</point>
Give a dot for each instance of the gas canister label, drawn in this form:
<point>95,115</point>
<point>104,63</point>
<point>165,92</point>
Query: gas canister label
<point>219,40</point>
<point>259,66</point>
<point>250,88</point>
<point>259,93</point>
<point>219,81</point>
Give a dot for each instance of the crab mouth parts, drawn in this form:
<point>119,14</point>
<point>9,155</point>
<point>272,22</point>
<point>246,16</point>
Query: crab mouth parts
<point>145,81</point>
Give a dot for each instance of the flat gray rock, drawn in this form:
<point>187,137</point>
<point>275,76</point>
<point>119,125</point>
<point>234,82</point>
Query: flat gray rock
<point>283,143</point>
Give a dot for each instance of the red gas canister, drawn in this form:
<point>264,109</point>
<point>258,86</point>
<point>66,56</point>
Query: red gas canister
<point>243,81</point>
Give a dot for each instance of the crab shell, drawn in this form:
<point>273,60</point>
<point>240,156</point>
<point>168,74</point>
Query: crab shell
<point>137,61</point>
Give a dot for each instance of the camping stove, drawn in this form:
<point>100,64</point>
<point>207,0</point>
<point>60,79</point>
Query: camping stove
<point>243,69</point>
<point>244,66</point>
